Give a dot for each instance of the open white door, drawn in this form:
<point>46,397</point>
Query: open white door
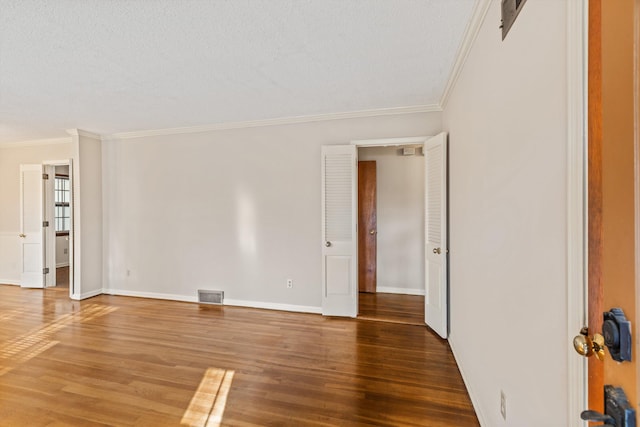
<point>31,235</point>
<point>339,240</point>
<point>49,231</point>
<point>436,300</point>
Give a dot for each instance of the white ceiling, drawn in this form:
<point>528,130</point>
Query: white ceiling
<point>129,65</point>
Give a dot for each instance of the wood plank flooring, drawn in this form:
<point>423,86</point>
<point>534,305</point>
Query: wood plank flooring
<point>123,361</point>
<point>394,308</point>
<point>62,277</point>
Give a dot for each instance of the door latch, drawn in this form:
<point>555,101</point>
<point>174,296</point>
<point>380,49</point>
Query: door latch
<point>617,410</point>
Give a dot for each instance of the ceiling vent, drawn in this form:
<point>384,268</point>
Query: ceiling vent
<point>210,297</point>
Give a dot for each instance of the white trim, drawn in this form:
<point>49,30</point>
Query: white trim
<point>390,142</point>
<point>472,395</point>
<point>36,142</point>
<point>274,306</point>
<point>56,162</point>
<point>63,264</point>
<point>229,302</point>
<point>86,295</point>
<point>84,133</point>
<point>151,295</point>
<point>9,282</point>
<point>401,291</point>
<point>470,35</point>
<point>577,238</point>
<point>276,121</point>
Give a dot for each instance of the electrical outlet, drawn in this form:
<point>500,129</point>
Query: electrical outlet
<point>503,405</point>
<point>289,283</point>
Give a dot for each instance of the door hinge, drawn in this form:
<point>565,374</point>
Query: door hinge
<point>45,223</point>
<point>45,270</point>
<point>45,176</point>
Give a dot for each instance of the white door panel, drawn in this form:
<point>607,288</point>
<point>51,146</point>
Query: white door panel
<point>436,245</point>
<point>31,236</point>
<point>49,233</point>
<point>339,250</point>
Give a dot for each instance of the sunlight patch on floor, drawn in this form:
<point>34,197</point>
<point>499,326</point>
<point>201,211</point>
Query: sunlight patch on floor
<point>29,345</point>
<point>209,401</point>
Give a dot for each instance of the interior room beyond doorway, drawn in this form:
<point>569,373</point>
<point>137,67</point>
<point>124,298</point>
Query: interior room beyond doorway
<point>396,233</point>
<point>62,224</point>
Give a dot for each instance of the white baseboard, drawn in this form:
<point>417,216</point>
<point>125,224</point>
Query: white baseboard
<point>472,395</point>
<point>9,282</point>
<point>86,295</point>
<point>404,291</point>
<point>232,302</point>
<point>152,295</point>
<point>64,264</point>
<point>274,306</point>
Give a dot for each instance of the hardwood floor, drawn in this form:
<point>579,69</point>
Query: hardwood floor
<point>129,361</point>
<point>394,308</point>
<point>62,277</point>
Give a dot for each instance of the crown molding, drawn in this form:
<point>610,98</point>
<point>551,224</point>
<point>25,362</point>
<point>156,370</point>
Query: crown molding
<point>275,122</point>
<point>36,142</point>
<point>80,132</point>
<point>471,33</point>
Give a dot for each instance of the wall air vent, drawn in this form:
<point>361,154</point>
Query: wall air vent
<point>210,297</point>
<point>409,151</point>
<point>510,11</point>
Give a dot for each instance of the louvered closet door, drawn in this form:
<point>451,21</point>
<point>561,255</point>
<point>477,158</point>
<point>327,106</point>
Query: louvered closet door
<point>339,209</point>
<point>436,252</point>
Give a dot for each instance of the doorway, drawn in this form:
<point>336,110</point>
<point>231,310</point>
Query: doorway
<point>339,207</point>
<point>58,213</point>
<point>62,224</point>
<point>391,188</point>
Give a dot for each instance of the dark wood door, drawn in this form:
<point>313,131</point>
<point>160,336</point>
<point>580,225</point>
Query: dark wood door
<point>596,370</point>
<point>612,156</point>
<point>367,226</point>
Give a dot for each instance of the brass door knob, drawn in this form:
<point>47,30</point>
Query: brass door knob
<point>327,244</point>
<point>588,346</point>
<point>372,232</point>
<point>437,251</point>
<point>22,235</point>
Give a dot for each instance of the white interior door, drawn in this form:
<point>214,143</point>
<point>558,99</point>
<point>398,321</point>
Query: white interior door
<point>31,235</point>
<point>49,232</point>
<point>339,240</point>
<point>436,313</point>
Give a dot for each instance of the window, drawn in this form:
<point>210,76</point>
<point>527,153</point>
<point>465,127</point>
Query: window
<point>63,210</point>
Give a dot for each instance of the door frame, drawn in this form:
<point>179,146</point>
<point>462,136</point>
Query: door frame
<point>577,174</point>
<point>384,142</point>
<point>52,229</point>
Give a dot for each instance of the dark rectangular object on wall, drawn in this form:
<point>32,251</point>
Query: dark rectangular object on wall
<point>510,11</point>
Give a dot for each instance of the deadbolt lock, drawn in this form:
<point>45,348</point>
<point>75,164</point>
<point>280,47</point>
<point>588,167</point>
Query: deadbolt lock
<point>588,346</point>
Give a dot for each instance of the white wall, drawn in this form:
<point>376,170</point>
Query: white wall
<point>235,210</point>
<point>400,216</point>
<point>508,140</point>
<point>87,215</point>
<point>10,159</point>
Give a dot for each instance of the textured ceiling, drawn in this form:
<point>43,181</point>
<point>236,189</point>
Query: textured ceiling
<point>129,65</point>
